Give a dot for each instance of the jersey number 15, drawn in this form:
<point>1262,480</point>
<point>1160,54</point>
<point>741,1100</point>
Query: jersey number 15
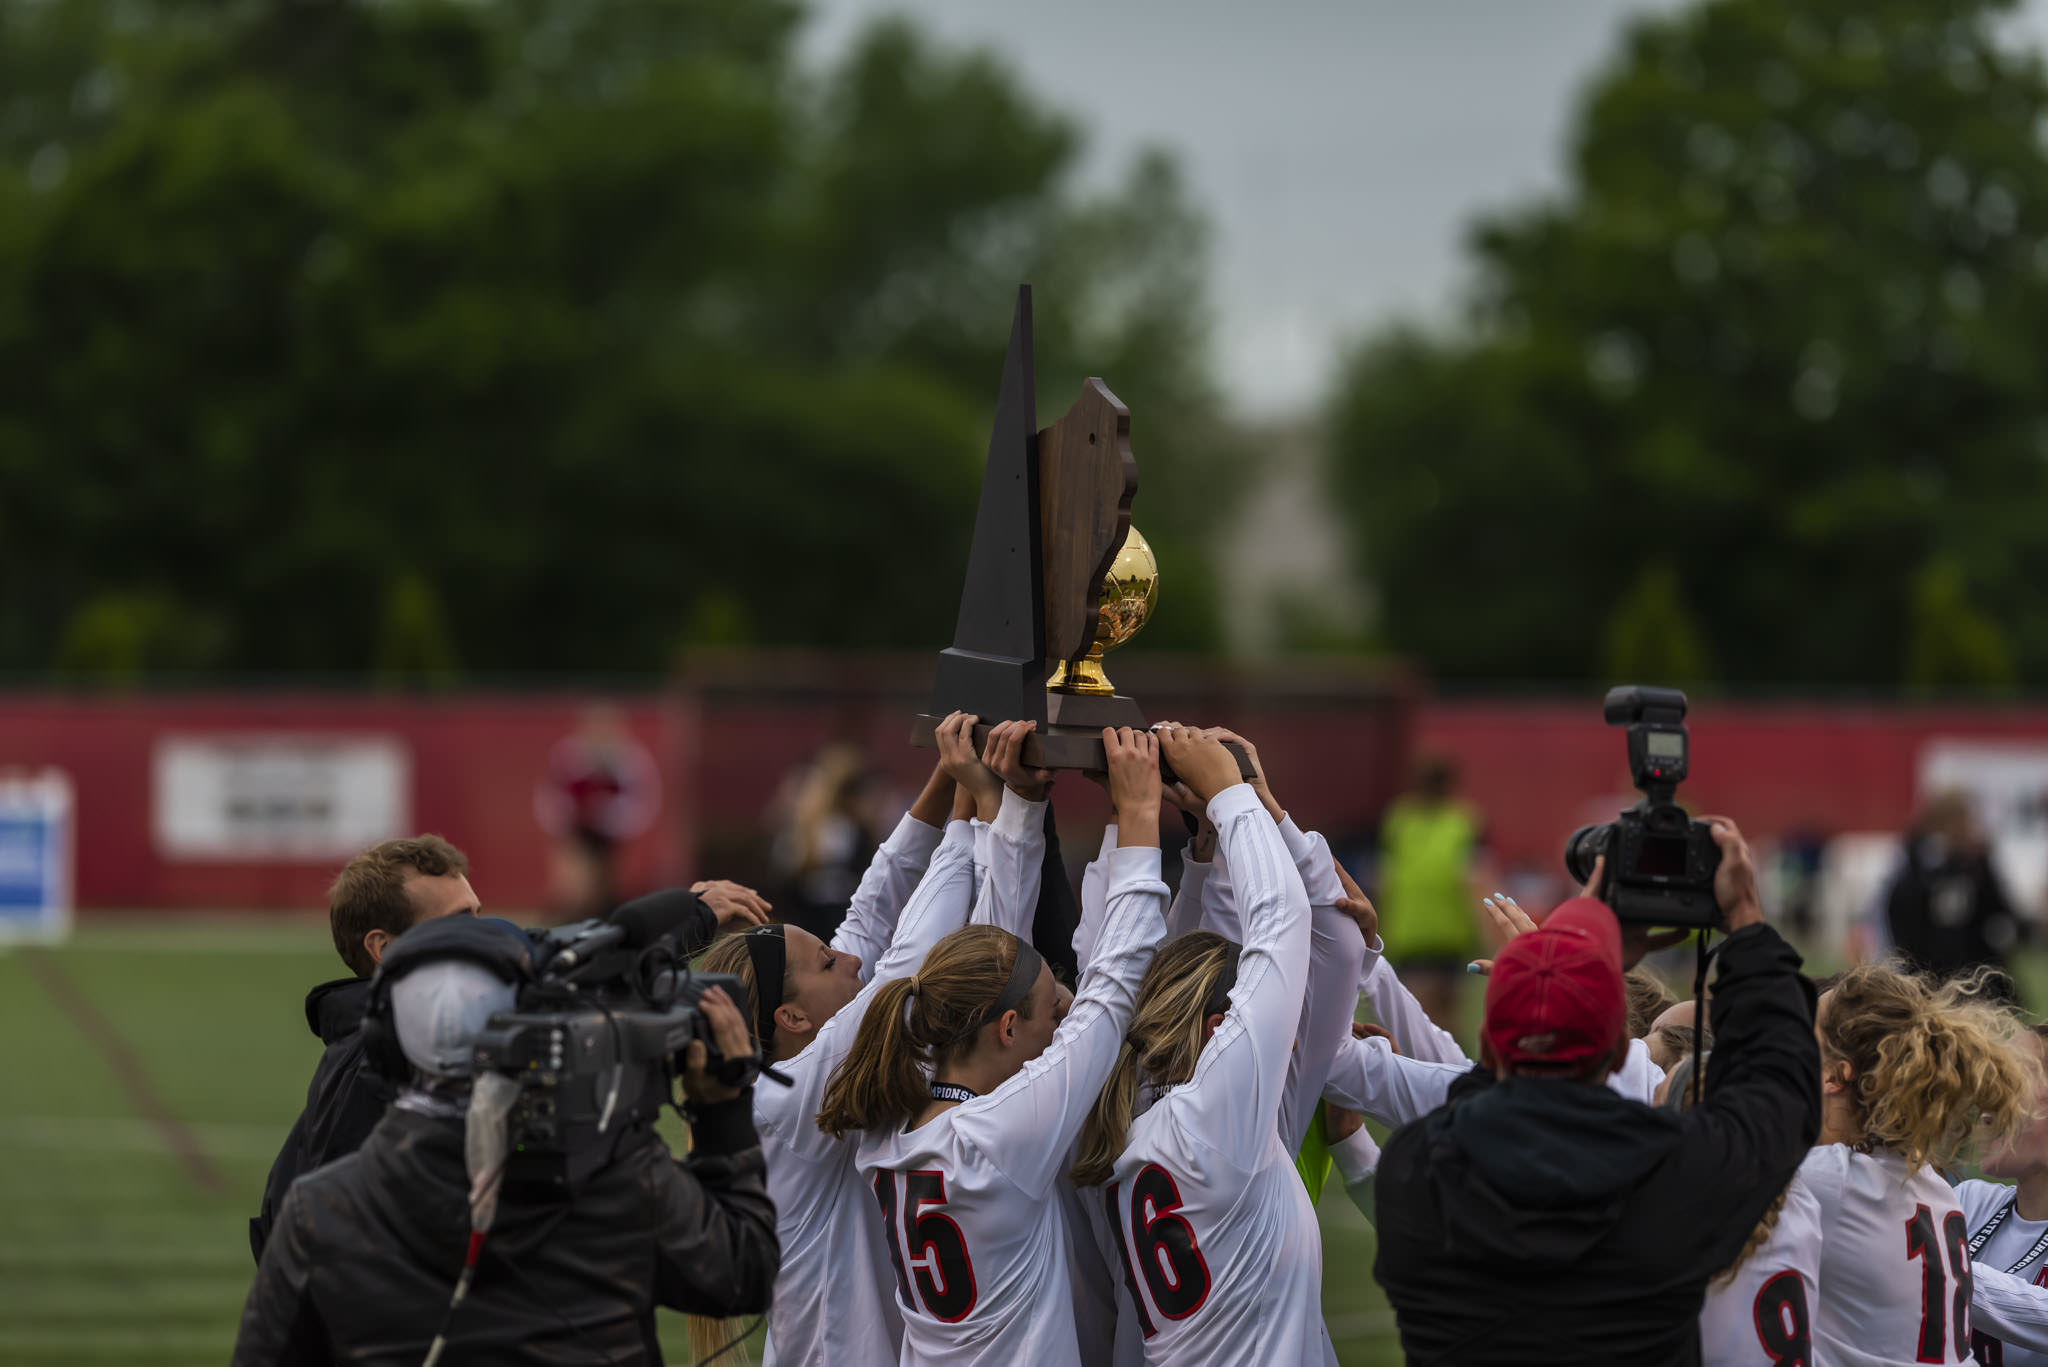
<point>926,1247</point>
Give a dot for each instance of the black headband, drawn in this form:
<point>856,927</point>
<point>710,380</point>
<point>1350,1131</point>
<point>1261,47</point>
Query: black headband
<point>768,953</point>
<point>1023,977</point>
<point>1219,994</point>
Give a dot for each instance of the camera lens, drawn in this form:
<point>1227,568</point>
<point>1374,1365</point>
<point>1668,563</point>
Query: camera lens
<point>1586,844</point>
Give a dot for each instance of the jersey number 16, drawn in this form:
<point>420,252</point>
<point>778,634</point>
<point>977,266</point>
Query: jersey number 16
<point>1160,1244</point>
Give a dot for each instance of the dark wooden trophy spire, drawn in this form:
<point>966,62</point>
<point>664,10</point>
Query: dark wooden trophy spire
<point>995,667</point>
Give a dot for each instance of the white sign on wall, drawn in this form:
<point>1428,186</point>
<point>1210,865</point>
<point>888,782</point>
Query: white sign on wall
<point>241,796</point>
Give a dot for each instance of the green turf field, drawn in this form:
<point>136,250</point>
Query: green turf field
<point>114,1250</point>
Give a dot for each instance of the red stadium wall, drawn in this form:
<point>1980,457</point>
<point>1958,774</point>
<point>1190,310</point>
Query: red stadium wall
<point>726,740</point>
<point>1539,769</point>
<point>475,763</point>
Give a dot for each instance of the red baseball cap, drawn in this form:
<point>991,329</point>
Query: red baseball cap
<point>1555,995</point>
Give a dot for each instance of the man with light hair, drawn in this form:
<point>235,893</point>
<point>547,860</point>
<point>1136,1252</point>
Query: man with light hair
<point>377,896</point>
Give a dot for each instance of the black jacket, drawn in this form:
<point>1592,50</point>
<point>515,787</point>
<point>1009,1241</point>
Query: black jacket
<point>1538,1220</point>
<point>367,1250</point>
<point>1947,909</point>
<point>343,1104</point>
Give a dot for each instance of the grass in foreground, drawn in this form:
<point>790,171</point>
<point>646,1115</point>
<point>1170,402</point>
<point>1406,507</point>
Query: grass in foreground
<point>112,1253</point>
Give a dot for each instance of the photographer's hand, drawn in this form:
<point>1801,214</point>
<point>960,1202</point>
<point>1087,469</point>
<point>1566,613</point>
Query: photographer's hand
<point>730,1032</point>
<point>1735,881</point>
<point>735,906</point>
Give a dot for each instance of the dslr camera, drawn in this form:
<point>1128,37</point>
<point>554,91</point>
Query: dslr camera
<point>1660,862</point>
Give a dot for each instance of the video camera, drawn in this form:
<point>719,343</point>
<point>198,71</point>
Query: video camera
<point>597,1041</point>
<point>1660,862</point>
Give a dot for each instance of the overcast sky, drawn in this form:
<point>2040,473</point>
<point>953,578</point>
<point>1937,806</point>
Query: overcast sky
<point>1338,146</point>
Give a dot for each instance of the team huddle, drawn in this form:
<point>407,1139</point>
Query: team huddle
<point>972,1165</point>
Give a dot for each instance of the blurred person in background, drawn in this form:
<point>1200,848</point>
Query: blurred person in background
<point>828,834</point>
<point>377,896</point>
<point>1429,853</point>
<point>601,790</point>
<point>366,1256</point>
<point>1945,906</point>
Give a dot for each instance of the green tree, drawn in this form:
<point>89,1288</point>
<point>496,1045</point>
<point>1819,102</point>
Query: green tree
<point>541,334</point>
<point>1783,332</point>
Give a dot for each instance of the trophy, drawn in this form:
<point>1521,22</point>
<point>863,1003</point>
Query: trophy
<point>1056,575</point>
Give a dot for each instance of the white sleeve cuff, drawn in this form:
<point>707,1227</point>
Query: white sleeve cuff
<point>1358,1157</point>
<point>1299,847</point>
<point>1130,864</point>
<point>1108,841</point>
<point>1018,820</point>
<point>913,839</point>
<point>1232,801</point>
<point>959,833</point>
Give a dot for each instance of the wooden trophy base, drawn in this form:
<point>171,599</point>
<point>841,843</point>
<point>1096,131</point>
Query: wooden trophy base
<point>1071,737</point>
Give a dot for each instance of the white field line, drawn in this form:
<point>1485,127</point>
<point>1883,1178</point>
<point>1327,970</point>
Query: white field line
<point>123,1134</point>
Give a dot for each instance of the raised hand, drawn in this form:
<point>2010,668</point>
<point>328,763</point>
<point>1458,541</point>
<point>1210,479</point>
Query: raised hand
<point>1133,758</point>
<point>735,906</point>
<point>1004,756</point>
<point>1509,920</point>
<point>1258,780</point>
<point>1200,761</point>
<point>1357,905</point>
<point>957,757</point>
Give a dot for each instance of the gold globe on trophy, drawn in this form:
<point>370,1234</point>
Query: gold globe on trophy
<point>1129,591</point>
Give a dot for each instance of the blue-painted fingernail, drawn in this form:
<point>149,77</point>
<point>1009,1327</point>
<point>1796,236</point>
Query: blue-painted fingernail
<point>1503,896</point>
<point>1474,968</point>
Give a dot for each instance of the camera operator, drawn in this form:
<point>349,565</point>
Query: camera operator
<point>367,1251</point>
<point>1539,1217</point>
<point>377,896</point>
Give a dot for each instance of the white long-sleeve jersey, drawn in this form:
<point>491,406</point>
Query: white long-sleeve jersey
<point>833,1298</point>
<point>2009,1291</point>
<point>1220,1246</point>
<point>1368,1076</point>
<point>1010,851</point>
<point>1895,1264</point>
<point>1763,1315</point>
<point>977,1241</point>
<point>1395,1007</point>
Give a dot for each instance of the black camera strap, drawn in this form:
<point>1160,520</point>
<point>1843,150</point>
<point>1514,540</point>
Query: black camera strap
<point>1699,1014</point>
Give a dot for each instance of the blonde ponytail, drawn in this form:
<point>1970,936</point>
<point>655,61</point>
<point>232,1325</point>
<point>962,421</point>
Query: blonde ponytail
<point>1162,1045</point>
<point>914,1024</point>
<point>1930,1064</point>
